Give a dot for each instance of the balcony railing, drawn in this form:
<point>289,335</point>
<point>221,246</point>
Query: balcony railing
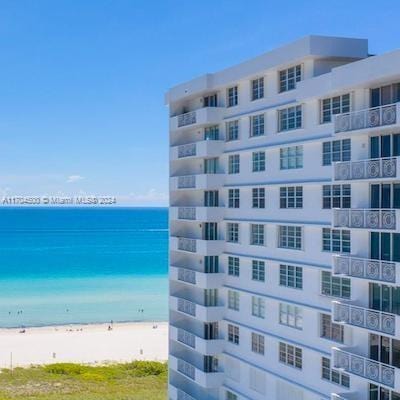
<point>366,169</point>
<point>187,307</point>
<point>376,270</point>
<point>364,218</point>
<point>361,366</point>
<point>373,320</point>
<point>187,182</point>
<point>187,244</point>
<point>181,395</point>
<point>187,150</point>
<point>187,119</point>
<point>187,338</point>
<point>186,369</point>
<point>187,213</point>
<point>369,118</point>
<point>187,275</point>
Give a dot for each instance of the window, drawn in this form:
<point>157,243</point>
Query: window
<point>259,161</point>
<point>258,198</point>
<point>233,334</point>
<point>257,89</point>
<point>336,240</point>
<point>233,266</point>
<point>232,93</point>
<point>336,196</point>
<point>257,307</point>
<point>384,146</point>
<point>257,343</point>
<point>210,297</point>
<point>233,232</point>
<point>384,298</point>
<point>210,165</point>
<point>234,198</point>
<point>289,77</point>
<point>230,396</point>
<point>387,94</point>
<point>334,375</point>
<point>289,118</point>
<point>210,101</point>
<point>233,300</point>
<point>210,231</point>
<point>211,132</point>
<point>232,130</point>
<point>336,150</point>
<point>291,157</point>
<point>384,246</point>
<point>211,264</point>
<point>291,316</point>
<point>291,276</point>
<point>234,164</point>
<point>290,237</point>
<point>334,105</point>
<point>257,125</point>
<point>290,355</point>
<point>335,286</point>
<point>330,330</point>
<point>257,234</point>
<point>291,197</point>
<point>211,198</point>
<point>258,271</point>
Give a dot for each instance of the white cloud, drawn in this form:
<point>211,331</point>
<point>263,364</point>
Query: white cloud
<point>74,178</point>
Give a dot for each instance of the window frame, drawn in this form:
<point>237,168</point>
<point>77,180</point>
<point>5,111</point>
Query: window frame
<point>257,88</point>
<point>232,98</point>
<point>291,157</point>
<point>258,161</point>
<point>232,232</point>
<point>258,197</point>
<point>290,82</point>
<point>291,197</point>
<point>258,270</point>
<point>332,107</point>
<point>234,164</point>
<point>232,130</point>
<point>291,276</point>
<point>290,118</point>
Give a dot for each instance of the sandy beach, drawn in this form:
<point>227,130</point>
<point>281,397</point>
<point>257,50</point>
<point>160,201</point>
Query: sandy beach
<point>84,344</point>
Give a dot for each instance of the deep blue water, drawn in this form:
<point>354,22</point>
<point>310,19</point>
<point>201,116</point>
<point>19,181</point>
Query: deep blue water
<point>82,265</point>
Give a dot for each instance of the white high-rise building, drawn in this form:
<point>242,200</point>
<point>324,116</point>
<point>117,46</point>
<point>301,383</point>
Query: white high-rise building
<point>284,227</point>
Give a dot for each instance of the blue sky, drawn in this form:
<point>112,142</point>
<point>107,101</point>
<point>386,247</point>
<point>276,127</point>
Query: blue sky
<point>82,81</point>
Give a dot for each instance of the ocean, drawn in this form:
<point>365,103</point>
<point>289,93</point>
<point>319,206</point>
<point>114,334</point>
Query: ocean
<point>83,265</point>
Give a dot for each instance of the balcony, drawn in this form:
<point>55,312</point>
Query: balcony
<point>377,219</point>
<point>198,246</point>
<point>200,312</point>
<point>373,270</point>
<point>371,370</point>
<point>197,118</point>
<point>371,118</point>
<point>178,394</point>
<point>204,148</point>
<point>204,379</point>
<point>203,346</point>
<point>200,279</point>
<point>198,182</point>
<point>204,214</point>
<point>374,169</point>
<point>345,396</point>
<point>372,320</point>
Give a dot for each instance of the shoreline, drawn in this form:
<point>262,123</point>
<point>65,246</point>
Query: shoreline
<point>82,324</point>
<point>84,343</point>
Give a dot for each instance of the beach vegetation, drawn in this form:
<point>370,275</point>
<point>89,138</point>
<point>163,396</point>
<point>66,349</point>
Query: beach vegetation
<point>138,380</point>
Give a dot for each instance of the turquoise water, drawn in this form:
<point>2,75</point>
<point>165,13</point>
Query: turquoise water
<point>82,265</point>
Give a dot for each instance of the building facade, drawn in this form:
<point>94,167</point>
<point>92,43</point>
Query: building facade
<point>284,227</point>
